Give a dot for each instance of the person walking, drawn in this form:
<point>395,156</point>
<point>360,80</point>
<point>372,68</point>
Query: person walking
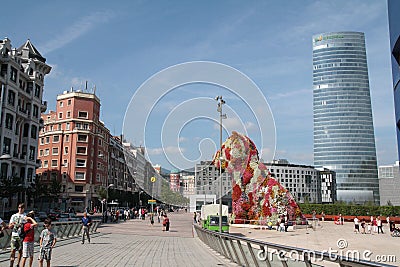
<point>356,225</point>
<point>29,239</point>
<point>48,239</point>
<point>166,223</point>
<point>379,224</point>
<point>86,223</point>
<point>194,217</point>
<point>16,243</point>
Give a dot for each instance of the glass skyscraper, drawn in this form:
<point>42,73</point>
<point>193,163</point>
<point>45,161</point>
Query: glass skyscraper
<point>344,139</point>
<point>394,32</point>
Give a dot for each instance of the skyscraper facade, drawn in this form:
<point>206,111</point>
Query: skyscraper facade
<point>394,32</point>
<point>344,139</point>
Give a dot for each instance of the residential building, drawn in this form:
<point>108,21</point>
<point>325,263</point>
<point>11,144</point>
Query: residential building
<point>174,181</point>
<point>22,73</point>
<point>73,150</point>
<point>394,34</point>
<point>344,139</point>
<point>303,182</point>
<point>389,184</point>
<point>187,182</point>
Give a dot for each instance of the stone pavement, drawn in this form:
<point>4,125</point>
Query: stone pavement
<point>137,243</point>
<point>328,236</point>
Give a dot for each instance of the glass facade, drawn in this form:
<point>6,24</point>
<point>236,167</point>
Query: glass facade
<point>394,32</point>
<point>344,139</point>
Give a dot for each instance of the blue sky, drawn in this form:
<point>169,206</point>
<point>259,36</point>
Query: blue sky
<point>118,46</point>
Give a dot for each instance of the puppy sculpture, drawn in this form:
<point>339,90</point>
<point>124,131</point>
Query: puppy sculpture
<point>255,194</point>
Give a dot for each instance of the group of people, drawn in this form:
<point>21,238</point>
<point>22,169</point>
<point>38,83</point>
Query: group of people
<point>375,225</point>
<point>22,227</point>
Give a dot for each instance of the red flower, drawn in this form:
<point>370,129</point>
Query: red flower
<point>236,192</point>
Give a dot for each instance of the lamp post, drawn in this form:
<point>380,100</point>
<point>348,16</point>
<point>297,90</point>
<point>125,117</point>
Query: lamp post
<point>219,109</point>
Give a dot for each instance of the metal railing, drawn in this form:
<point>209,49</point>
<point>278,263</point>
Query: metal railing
<point>64,230</point>
<point>250,252</point>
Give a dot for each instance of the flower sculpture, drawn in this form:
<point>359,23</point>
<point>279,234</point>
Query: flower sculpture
<point>255,194</point>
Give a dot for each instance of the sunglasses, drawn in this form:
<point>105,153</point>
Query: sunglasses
<point>21,207</point>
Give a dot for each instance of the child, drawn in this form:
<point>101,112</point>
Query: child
<point>47,242</point>
<point>29,239</point>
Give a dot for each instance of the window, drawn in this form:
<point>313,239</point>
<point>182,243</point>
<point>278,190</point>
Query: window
<point>67,126</point>
<point>98,177</point>
<point>35,111</point>
<point>9,121</point>
<point>69,102</point>
<point>26,130</point>
<point>47,139</point>
<point>6,145</point>
<point>55,151</point>
<point>68,114</point>
<point>46,151</point>
<point>56,138</point>
<point>61,104</point>
<point>78,125</point>
<point>82,114</point>
<point>81,150</point>
<point>80,163</point>
<point>41,152</point>
<point>60,115</point>
<point>59,126</point>
<point>82,137</point>
<point>13,76</point>
<point>46,165</point>
<point>37,90</point>
<point>67,138</point>
<point>54,163</point>
<point>66,150</point>
<point>86,126</point>
<point>11,97</point>
<point>32,152</point>
<point>33,131</point>
<point>65,164</point>
<point>79,176</point>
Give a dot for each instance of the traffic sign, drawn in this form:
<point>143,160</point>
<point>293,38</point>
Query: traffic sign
<point>152,201</point>
<point>153,179</point>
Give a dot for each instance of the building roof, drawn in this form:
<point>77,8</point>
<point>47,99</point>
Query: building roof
<point>33,52</point>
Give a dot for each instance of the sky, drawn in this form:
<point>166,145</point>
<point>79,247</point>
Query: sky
<point>133,53</point>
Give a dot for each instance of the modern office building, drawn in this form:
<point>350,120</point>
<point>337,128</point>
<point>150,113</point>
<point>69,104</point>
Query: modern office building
<point>389,184</point>
<point>394,33</point>
<point>22,73</point>
<point>344,140</point>
<point>73,149</point>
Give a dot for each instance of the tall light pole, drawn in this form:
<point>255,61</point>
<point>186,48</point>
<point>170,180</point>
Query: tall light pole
<point>219,109</point>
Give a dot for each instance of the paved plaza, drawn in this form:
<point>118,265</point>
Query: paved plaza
<point>137,243</point>
<point>328,236</point>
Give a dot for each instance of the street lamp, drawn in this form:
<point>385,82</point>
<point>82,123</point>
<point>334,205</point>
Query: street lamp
<point>219,109</point>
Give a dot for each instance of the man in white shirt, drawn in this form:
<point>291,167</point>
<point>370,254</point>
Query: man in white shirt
<point>356,225</point>
<point>16,243</point>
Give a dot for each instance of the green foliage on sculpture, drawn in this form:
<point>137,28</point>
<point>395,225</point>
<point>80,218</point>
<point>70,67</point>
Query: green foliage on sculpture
<point>255,194</point>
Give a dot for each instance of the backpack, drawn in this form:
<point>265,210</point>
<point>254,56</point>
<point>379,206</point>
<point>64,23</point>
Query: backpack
<point>21,232</point>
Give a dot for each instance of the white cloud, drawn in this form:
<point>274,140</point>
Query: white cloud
<point>76,30</point>
<point>165,150</point>
<point>183,139</point>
